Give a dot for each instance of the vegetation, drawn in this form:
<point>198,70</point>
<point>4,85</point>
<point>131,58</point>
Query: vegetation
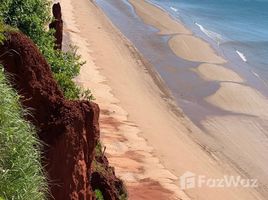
<point>99,195</point>
<point>101,168</point>
<point>32,18</point>
<point>98,166</point>
<point>21,174</point>
<point>2,36</point>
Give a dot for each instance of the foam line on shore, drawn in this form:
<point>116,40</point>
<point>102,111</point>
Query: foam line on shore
<point>241,55</point>
<point>174,9</point>
<point>212,35</point>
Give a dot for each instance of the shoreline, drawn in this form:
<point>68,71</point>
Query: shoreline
<point>245,104</point>
<point>236,59</point>
<point>113,127</point>
<point>133,139</point>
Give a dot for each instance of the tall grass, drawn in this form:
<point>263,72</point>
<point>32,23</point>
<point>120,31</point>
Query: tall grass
<point>21,176</point>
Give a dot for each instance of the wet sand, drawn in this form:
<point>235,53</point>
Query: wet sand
<point>194,49</point>
<point>240,99</point>
<point>149,141</point>
<point>247,107</point>
<point>165,24</point>
<point>212,72</point>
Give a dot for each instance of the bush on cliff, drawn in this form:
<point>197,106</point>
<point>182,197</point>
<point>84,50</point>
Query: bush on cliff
<point>32,18</point>
<point>21,174</point>
<point>2,36</point>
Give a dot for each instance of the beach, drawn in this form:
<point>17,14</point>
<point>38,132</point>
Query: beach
<point>148,138</point>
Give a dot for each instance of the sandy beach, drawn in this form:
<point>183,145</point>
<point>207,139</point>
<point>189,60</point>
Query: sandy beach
<point>148,139</point>
<point>212,72</point>
<point>182,42</point>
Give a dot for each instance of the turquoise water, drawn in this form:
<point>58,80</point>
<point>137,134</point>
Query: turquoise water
<point>238,27</point>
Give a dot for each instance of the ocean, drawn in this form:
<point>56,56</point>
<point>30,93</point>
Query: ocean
<point>239,28</point>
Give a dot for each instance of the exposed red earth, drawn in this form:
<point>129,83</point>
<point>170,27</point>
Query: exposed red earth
<point>57,25</point>
<point>69,129</point>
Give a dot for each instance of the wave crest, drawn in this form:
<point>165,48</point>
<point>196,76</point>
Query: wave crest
<point>241,55</point>
<point>212,35</point>
<point>174,9</point>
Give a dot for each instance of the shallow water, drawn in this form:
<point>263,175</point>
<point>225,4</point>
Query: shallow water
<point>186,86</point>
<point>188,89</point>
<point>237,26</point>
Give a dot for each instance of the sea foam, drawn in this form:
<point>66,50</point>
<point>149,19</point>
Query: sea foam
<point>212,35</point>
<point>174,9</point>
<point>255,74</point>
<point>241,55</point>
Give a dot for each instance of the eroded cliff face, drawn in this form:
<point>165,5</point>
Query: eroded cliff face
<point>69,129</point>
<point>103,178</point>
<point>57,25</point>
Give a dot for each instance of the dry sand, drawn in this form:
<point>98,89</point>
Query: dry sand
<point>147,138</point>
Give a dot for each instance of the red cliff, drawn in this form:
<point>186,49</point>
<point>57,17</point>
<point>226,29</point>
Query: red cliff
<point>69,129</point>
<point>57,25</point>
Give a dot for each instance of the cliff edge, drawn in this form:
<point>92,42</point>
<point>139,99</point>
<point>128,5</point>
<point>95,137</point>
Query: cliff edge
<point>68,129</point>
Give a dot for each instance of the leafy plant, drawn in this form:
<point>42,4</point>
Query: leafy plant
<point>2,37</point>
<point>66,66</point>
<point>86,95</point>
<point>32,18</point>
<point>98,195</point>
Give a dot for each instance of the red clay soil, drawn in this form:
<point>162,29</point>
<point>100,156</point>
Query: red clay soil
<point>69,129</point>
<point>148,189</point>
<point>57,25</point>
<point>103,178</point>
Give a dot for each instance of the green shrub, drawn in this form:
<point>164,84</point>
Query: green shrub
<point>32,18</point>
<point>28,15</point>
<point>71,91</point>
<point>21,175</point>
<point>99,195</point>
<point>2,37</point>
